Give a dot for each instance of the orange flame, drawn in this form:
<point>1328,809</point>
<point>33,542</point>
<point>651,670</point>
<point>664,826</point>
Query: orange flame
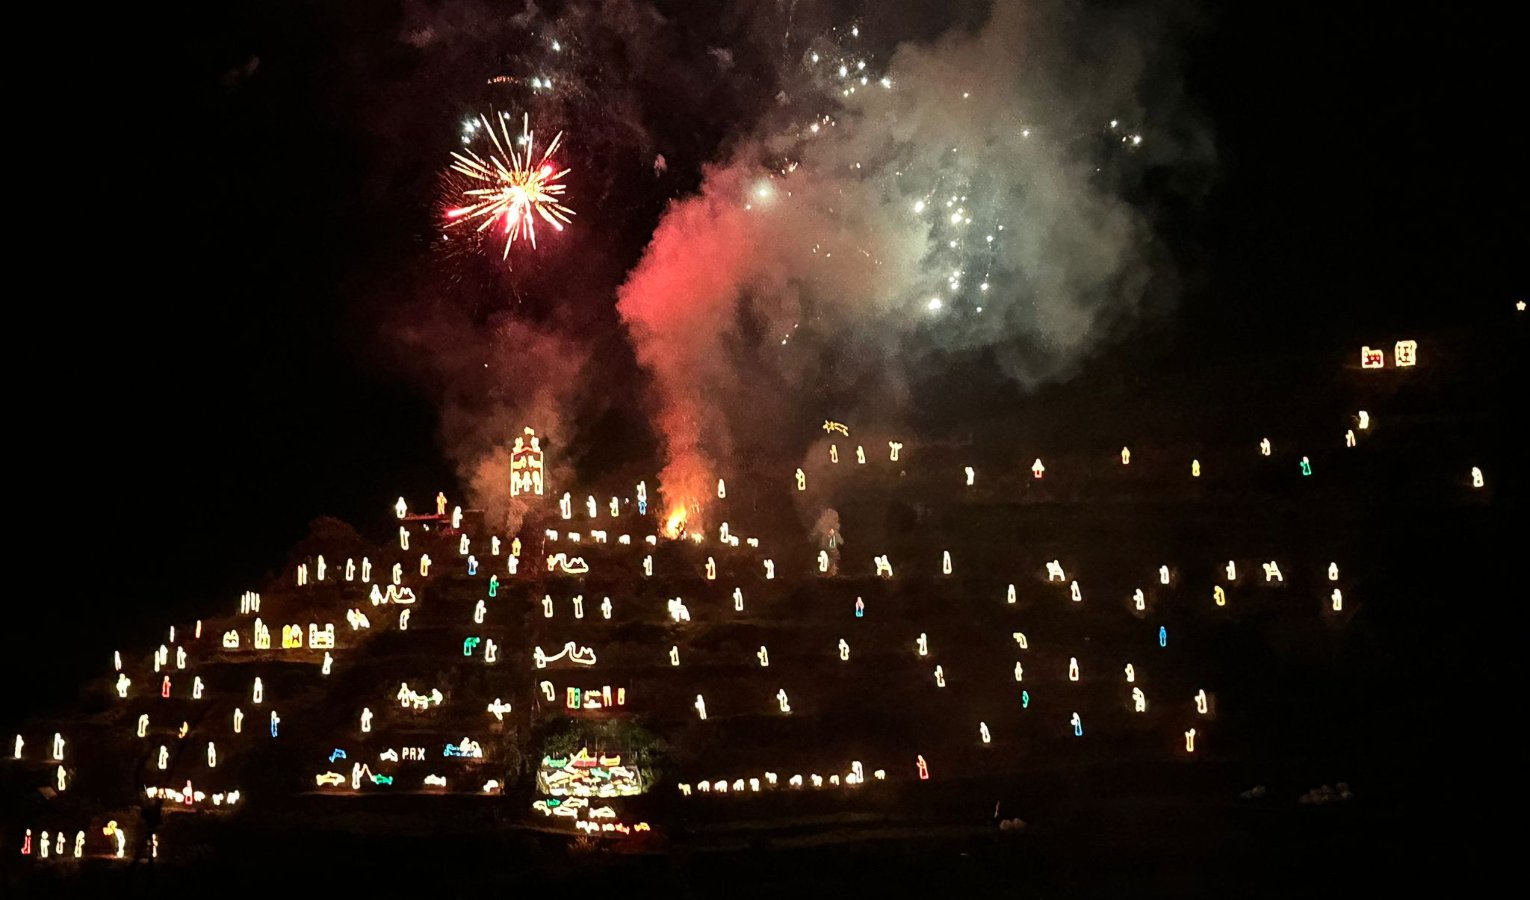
<point>675,524</point>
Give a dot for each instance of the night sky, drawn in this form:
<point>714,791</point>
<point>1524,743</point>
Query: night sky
<point>219,261</point>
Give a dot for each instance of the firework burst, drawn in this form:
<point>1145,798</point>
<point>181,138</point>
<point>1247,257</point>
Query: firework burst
<point>504,188</point>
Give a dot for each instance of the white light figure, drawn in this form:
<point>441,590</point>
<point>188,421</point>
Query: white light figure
<point>462,545</point>
<point>1190,741</point>
<point>401,508</point>
<point>674,656</point>
<point>578,606</point>
<point>598,535</point>
<point>1200,702</point>
<point>648,565</point>
<point>1477,481</point>
<point>1139,600</point>
<point>329,663</point>
<point>1126,456</point>
<point>212,755</point>
<point>1078,725</point>
<point>971,475</point>
<point>1337,599</point>
<point>123,683</point>
<point>844,651</point>
<point>823,561</point>
<point>1405,353</point>
<point>1055,571</point>
<point>398,573</point>
<point>678,610</point>
<point>1139,700</point>
<point>782,701</point>
<point>61,781</point>
<point>701,707</point>
<point>893,448</point>
<point>1195,468</point>
<point>494,545</point>
<point>1264,446</point>
<point>1073,668</point>
<point>117,660</point>
<point>58,747</point>
<point>164,757</point>
<point>1009,595</point>
<point>20,742</point>
<point>547,606</point>
<point>424,564</point>
<point>945,562</point>
<point>1037,469</point>
<point>983,732</point>
<point>1349,438</point>
<point>1372,359</point>
<point>834,453</point>
<point>801,480</point>
<point>238,720</point>
<point>1232,570</point>
<point>884,568</point>
<point>860,455</point>
<point>499,708</point>
<point>1219,595</point>
<point>1163,574</point>
<point>161,657</point>
<point>1075,593</point>
<point>302,574</point>
<point>770,570</point>
<point>319,570</point>
<point>763,656</point>
<point>547,689</point>
<point>1131,673</point>
<point>1020,640</point>
<point>479,609</point>
<point>590,506</point>
<point>711,569</point>
<point>43,852</point>
<point>79,844</point>
<point>512,564</point>
<point>321,639</point>
<point>403,620</point>
<point>1272,572</point>
<point>605,608</point>
<point>366,570</point>
<point>196,687</point>
<point>490,651</point>
<point>257,692</point>
<point>616,507</point>
<point>1333,571</point>
<point>922,645</point>
<point>366,719</point>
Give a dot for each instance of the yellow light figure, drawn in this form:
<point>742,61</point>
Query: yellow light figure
<point>1190,741</point>
<point>1195,468</point>
<point>1264,446</point>
<point>1337,599</point>
<point>1202,705</point>
<point>424,564</point>
<point>844,651</point>
<point>257,692</point>
<point>860,455</point>
<point>1073,668</point>
<point>1020,640</point>
<point>1126,456</point>
<point>834,453</point>
<point>801,480</point>
<point>763,655</point>
<point>940,677</point>
<point>1219,595</point>
<point>1139,700</point>
<point>1272,572</point>
<point>884,568</point>
<point>1131,673</point>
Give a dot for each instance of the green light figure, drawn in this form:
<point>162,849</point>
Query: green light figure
<point>469,645</point>
<point>1025,699</point>
<point>493,586</point>
<point>1306,466</point>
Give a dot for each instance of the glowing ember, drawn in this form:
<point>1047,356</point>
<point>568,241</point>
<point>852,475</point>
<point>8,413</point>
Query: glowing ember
<point>674,525</point>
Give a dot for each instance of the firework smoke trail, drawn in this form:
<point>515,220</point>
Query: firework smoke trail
<point>517,191</point>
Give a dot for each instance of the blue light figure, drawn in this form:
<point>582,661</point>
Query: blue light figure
<point>642,507</point>
<point>275,720</point>
<point>1163,636</point>
<point>338,754</point>
<point>860,608</point>
<point>1025,699</point>
<point>472,565</point>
